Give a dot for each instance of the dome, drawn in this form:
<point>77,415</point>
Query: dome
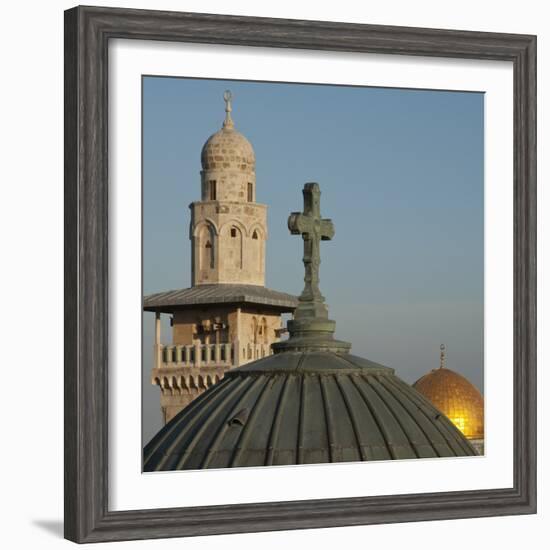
<point>310,402</point>
<point>455,397</point>
<point>228,149</point>
<point>304,408</point>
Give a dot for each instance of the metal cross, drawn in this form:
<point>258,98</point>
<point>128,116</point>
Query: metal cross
<point>313,229</point>
<point>311,329</point>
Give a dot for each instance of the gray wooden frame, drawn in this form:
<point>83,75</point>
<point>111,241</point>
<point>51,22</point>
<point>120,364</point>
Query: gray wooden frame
<point>87,34</point>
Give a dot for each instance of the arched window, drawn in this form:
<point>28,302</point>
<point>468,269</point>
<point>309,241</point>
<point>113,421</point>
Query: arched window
<point>209,255</point>
<point>212,194</point>
<point>232,257</point>
<point>255,252</point>
<point>206,248</point>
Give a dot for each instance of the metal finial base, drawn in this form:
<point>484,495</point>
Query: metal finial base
<point>228,122</point>
<point>311,335</point>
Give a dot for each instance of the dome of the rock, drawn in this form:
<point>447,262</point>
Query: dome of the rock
<point>455,397</point>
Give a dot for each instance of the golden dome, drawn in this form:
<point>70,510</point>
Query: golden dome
<point>456,397</point>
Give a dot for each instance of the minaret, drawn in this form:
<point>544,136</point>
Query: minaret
<point>228,317</point>
<point>228,227</point>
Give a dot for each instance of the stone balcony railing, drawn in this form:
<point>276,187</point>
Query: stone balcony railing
<point>188,370</point>
<point>180,368</point>
<point>203,355</point>
<point>196,355</point>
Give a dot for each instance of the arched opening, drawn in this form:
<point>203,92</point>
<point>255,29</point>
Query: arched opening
<point>256,253</point>
<point>233,248</point>
<point>212,190</point>
<point>206,248</point>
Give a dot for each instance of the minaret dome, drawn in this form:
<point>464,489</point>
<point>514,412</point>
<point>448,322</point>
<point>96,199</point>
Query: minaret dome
<point>228,163</point>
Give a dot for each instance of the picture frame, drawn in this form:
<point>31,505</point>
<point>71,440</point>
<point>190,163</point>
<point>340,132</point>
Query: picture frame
<point>87,34</point>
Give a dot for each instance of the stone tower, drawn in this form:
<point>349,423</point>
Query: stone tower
<point>228,317</point>
<point>228,227</point>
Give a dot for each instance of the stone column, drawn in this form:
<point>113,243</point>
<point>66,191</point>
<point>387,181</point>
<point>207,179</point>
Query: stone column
<point>158,348</point>
<point>227,353</point>
<point>197,354</point>
<point>188,355</point>
<point>238,338</point>
<point>236,352</point>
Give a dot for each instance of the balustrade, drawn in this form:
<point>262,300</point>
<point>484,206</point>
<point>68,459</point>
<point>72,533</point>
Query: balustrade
<point>177,355</point>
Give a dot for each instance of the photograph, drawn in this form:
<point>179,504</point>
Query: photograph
<point>288,265</point>
<point>312,273</point>
<point>300,273</point>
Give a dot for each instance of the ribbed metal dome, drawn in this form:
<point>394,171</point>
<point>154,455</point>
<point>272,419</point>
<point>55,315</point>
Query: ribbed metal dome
<point>304,408</point>
<point>311,402</point>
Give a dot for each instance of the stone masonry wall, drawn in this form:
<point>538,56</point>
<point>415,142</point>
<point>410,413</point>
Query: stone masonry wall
<point>228,242</point>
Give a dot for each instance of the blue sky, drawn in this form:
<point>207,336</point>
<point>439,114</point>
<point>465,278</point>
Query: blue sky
<point>401,175</point>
